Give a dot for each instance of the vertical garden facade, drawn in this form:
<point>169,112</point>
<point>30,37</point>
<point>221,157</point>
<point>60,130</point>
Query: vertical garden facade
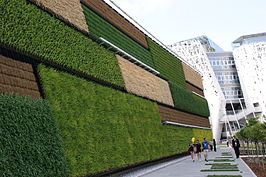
<point>79,95</point>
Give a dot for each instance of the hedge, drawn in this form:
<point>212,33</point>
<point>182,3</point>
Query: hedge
<point>101,28</point>
<point>29,141</point>
<point>187,101</point>
<point>104,129</point>
<point>32,31</point>
<point>167,64</point>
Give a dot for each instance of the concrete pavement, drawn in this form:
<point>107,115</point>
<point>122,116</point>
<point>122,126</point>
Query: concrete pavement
<point>184,167</point>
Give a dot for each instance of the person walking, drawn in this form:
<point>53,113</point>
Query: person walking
<point>205,146</point>
<point>197,149</point>
<point>211,145</point>
<point>236,146</point>
<point>214,145</point>
<point>191,151</point>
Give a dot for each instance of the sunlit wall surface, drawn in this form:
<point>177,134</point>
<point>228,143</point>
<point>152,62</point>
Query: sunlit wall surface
<point>250,57</point>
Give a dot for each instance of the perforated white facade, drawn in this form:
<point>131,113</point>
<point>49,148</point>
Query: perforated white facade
<point>250,57</point>
<point>194,53</point>
<point>229,105</point>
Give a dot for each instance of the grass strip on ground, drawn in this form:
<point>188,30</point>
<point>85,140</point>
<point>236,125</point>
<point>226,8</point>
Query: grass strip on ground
<point>224,167</point>
<point>218,170</point>
<point>218,164</point>
<point>226,153</point>
<point>221,160</point>
<point>224,176</point>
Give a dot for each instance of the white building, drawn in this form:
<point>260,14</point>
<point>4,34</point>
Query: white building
<point>250,57</point>
<point>237,111</point>
<point>193,51</point>
<point>228,108</point>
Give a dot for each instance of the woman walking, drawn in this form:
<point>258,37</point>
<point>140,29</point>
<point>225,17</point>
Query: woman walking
<point>197,149</point>
<point>191,151</point>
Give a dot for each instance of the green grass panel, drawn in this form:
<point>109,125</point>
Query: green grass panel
<point>187,101</point>
<point>168,65</point>
<point>101,28</point>
<point>29,141</point>
<point>202,133</point>
<point>201,104</point>
<point>104,129</point>
<point>30,30</point>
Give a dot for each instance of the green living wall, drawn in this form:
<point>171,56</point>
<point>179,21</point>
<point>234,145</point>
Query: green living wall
<point>29,141</point>
<point>202,133</point>
<point>101,28</point>
<point>168,65</point>
<point>187,101</point>
<point>102,128</point>
<point>28,29</point>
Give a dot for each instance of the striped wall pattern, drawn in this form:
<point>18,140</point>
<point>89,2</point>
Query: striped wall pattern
<point>117,20</point>
<point>193,88</point>
<point>168,114</point>
<point>17,77</point>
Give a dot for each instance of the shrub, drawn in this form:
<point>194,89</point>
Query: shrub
<point>29,141</point>
<point>30,30</point>
<point>167,64</point>
<point>187,101</point>
<point>101,28</point>
<point>104,129</point>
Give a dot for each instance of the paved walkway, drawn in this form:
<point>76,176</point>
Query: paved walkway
<point>184,167</point>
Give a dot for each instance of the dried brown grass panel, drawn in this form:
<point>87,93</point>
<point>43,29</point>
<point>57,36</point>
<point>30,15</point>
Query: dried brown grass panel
<point>69,11</point>
<point>168,114</point>
<point>192,88</point>
<point>18,78</point>
<point>192,76</point>
<point>143,83</point>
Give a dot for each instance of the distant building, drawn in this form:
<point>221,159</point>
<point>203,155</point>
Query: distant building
<point>250,56</point>
<point>228,110</point>
<point>193,51</point>
<point>237,111</point>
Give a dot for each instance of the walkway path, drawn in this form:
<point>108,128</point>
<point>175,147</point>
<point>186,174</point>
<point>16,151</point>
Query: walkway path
<point>222,162</point>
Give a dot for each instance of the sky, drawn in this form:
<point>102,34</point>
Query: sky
<point>222,21</point>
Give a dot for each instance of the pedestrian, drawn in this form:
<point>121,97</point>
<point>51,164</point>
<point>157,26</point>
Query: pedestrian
<point>236,146</point>
<point>193,140</point>
<point>214,145</point>
<point>211,145</point>
<point>205,146</point>
<point>227,143</point>
<point>191,151</point>
<point>197,149</point>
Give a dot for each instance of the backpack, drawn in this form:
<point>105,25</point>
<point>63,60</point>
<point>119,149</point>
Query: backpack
<point>205,145</point>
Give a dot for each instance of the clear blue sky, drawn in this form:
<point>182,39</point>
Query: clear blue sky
<point>221,20</point>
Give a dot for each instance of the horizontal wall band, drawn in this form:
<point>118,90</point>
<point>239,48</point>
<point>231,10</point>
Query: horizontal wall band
<point>129,57</point>
<point>172,115</point>
<point>108,13</point>
<point>184,125</point>
<point>29,58</point>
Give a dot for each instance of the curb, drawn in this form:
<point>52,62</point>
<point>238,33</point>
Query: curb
<point>248,167</point>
